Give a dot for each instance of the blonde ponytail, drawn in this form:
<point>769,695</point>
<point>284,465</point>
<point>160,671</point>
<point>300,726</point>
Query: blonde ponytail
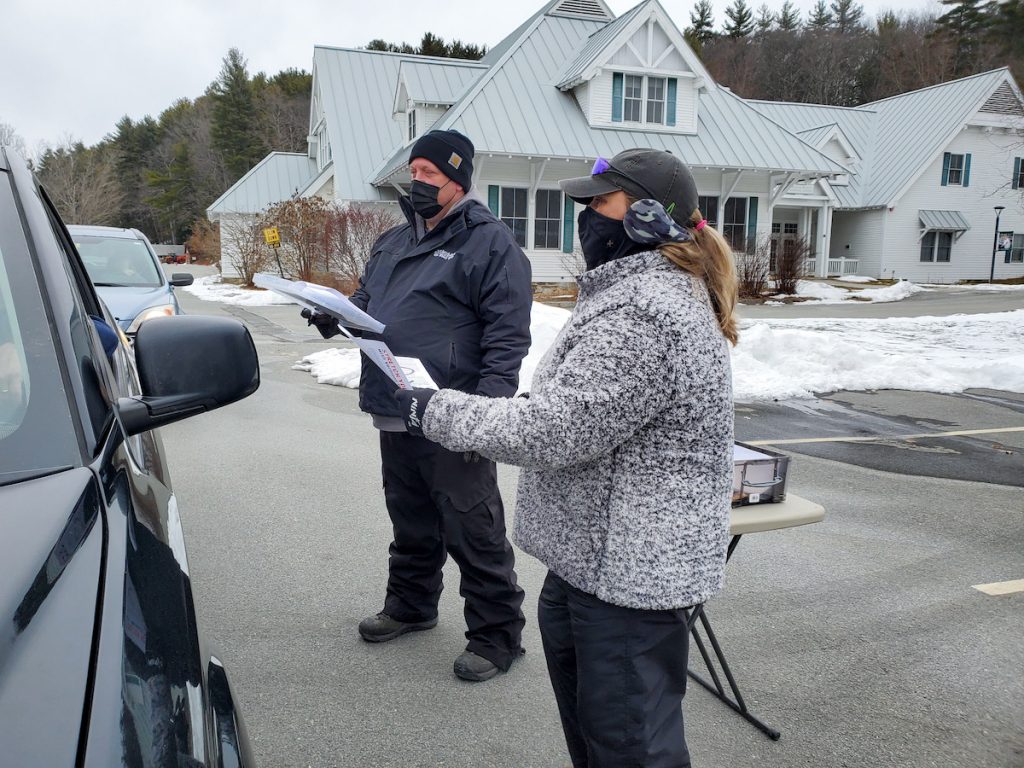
<point>709,256</point>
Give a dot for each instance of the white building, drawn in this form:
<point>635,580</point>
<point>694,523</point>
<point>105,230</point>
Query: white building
<point>904,187</point>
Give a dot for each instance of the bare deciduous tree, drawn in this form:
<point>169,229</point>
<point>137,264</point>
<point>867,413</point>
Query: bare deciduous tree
<point>365,225</point>
<point>752,268</point>
<point>82,182</point>
<point>244,246</point>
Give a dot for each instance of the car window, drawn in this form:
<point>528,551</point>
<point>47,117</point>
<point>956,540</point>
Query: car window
<point>118,261</point>
<point>37,434</point>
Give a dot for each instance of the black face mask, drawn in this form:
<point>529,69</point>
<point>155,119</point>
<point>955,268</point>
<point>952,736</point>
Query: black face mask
<point>603,239</point>
<point>424,199</point>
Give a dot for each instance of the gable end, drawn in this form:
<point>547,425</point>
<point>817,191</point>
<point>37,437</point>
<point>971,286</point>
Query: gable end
<point>586,9</point>
<point>1003,101</point>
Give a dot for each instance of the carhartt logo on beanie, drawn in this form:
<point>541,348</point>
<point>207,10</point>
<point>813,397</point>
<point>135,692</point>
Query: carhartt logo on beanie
<point>450,151</point>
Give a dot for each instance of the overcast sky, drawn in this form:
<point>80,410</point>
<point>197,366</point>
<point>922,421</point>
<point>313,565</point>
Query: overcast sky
<point>73,68</point>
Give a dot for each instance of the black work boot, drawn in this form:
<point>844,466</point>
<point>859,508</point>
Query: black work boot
<point>381,628</point>
<point>475,668</point>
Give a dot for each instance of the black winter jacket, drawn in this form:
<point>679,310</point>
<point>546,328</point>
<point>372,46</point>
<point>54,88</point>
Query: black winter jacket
<point>459,300</point>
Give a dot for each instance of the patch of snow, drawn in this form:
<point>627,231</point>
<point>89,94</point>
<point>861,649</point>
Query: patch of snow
<point>824,293</point>
<point>212,288</point>
<point>341,366</point>
<point>857,279</point>
<point>778,359</point>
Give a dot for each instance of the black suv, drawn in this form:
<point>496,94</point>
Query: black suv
<point>101,663</point>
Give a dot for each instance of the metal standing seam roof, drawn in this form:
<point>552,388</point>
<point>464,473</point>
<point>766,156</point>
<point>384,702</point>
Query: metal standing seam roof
<point>357,90</point>
<point>516,109</point>
<point>273,179</point>
<point>949,221</point>
<point>435,83</point>
<point>814,136</point>
<point>593,47</point>
<point>806,120</point>
<point>913,127</point>
<point>895,138</point>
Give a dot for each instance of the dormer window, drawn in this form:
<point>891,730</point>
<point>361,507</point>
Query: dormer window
<point>412,124</point>
<point>643,99</point>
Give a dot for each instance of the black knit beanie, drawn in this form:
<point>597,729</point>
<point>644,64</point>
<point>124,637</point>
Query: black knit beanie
<point>450,151</point>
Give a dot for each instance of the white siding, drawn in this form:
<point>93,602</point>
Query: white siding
<point>992,156</point>
<point>686,104</point>
<point>862,232</point>
<point>601,99</point>
<point>426,117</point>
<point>229,224</point>
<point>582,92</point>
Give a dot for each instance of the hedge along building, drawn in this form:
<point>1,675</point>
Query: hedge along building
<point>573,83</point>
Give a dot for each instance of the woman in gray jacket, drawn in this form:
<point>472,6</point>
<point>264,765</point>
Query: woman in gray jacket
<point>626,448</point>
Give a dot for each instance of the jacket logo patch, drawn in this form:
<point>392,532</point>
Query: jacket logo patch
<point>455,161</point>
<point>413,416</point>
<point>443,254</point>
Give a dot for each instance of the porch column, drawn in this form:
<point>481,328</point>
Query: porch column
<point>825,235</point>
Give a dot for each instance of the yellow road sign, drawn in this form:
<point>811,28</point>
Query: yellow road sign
<point>272,236</point>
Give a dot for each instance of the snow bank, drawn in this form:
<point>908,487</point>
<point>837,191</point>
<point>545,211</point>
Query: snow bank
<point>823,293</point>
<point>211,288</point>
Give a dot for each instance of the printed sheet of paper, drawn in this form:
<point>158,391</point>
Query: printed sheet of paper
<point>406,372</point>
<point>320,298</point>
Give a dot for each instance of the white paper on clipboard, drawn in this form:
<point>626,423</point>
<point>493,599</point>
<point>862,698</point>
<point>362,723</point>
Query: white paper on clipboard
<point>405,372</point>
<point>320,298</point>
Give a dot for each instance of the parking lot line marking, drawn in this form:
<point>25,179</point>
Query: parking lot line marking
<point>1001,587</point>
<point>870,438</point>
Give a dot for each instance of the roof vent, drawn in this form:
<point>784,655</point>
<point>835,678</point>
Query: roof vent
<point>587,9</point>
<point>1004,101</point>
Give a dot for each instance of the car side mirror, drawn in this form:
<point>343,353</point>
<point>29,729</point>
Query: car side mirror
<point>188,364</point>
<point>179,279</point>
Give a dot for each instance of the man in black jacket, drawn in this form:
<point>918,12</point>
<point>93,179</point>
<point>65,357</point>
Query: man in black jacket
<point>452,288</point>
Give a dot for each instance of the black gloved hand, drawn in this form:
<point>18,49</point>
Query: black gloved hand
<point>412,404</point>
<point>327,325</point>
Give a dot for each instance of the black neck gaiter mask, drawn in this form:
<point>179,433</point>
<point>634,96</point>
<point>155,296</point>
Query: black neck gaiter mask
<point>603,239</point>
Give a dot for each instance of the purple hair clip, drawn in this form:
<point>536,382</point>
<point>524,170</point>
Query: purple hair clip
<point>600,166</point>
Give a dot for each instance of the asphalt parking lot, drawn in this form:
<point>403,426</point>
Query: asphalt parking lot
<point>862,638</point>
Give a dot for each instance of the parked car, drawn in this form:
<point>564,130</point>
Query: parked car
<point>127,274</point>
<point>101,659</point>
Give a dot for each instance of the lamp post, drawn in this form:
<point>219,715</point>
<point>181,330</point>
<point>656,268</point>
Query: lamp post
<point>995,243</point>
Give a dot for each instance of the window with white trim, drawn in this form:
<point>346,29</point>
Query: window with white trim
<point>937,246</point>
<point>412,124</point>
<point>734,223</point>
<point>708,205</point>
<point>656,100</point>
<point>789,228</point>
<point>645,99</point>
<point>956,170</point>
<point>513,212</point>
<point>1017,251</point>
<point>547,220</point>
<point>632,98</point>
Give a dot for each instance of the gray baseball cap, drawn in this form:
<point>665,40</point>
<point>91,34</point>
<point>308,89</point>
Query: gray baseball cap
<point>642,173</point>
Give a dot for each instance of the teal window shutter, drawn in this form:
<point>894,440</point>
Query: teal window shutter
<point>670,103</point>
<point>568,213</point>
<point>617,97</point>
<point>493,191</point>
<point>967,170</point>
<point>1016,172</point>
<point>752,223</point>
<point>945,169</point>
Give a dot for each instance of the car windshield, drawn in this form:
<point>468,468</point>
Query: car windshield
<point>117,261</point>
<point>37,435</point>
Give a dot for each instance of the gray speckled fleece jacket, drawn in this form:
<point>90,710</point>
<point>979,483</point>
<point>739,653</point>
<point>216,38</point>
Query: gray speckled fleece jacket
<point>626,439</point>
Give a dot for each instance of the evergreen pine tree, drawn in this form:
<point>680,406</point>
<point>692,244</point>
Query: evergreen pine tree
<point>846,15</point>
<point>703,23</point>
<point>965,22</point>
<point>789,17</point>
<point>765,19</point>
<point>820,17</point>
<point>235,117</point>
<point>174,192</point>
<point>432,45</point>
<point>741,20</point>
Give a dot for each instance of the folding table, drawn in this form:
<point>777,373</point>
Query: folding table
<point>753,518</point>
